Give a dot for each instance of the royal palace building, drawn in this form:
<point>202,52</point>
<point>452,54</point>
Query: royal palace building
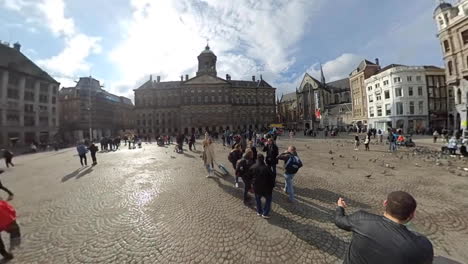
<point>205,102</point>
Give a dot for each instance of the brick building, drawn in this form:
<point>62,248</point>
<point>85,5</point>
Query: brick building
<point>204,102</point>
<point>111,115</point>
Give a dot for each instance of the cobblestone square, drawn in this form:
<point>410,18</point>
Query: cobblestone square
<point>151,205</point>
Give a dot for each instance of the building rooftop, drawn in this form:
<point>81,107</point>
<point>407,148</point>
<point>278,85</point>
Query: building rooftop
<point>13,59</point>
<point>342,84</point>
<point>288,97</point>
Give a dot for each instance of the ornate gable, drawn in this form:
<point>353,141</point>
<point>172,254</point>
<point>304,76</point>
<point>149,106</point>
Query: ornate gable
<point>309,80</point>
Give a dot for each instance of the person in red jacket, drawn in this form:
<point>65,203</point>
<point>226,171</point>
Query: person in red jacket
<point>9,225</point>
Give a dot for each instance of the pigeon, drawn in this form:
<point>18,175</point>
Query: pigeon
<point>172,157</point>
<point>330,152</point>
<point>368,176</point>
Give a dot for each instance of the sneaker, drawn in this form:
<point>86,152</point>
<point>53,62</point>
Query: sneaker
<point>265,217</point>
<point>237,185</point>
<point>259,214</point>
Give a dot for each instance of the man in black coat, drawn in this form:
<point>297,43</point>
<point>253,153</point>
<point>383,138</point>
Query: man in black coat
<point>271,155</point>
<point>263,182</point>
<point>93,149</point>
<point>242,170</point>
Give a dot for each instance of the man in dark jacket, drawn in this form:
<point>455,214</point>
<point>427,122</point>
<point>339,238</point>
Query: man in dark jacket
<point>93,149</point>
<point>242,170</point>
<point>233,157</point>
<point>271,155</point>
<point>263,182</point>
<point>385,239</point>
<point>8,155</point>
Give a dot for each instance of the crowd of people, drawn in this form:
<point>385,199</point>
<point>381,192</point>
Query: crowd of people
<point>257,170</point>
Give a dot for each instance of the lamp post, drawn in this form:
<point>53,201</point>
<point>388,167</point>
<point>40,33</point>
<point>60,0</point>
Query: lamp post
<point>89,109</point>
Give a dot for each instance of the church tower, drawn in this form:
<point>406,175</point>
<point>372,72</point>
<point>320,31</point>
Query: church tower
<point>207,62</point>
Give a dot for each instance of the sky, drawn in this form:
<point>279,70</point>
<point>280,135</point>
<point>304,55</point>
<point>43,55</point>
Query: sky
<point>122,42</point>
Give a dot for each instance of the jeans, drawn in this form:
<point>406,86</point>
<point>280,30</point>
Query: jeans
<point>93,156</point>
<point>15,237</point>
<point>289,185</point>
<point>393,146</point>
<point>273,169</point>
<point>266,209</point>
<point>247,186</point>
<point>209,168</point>
<point>83,157</point>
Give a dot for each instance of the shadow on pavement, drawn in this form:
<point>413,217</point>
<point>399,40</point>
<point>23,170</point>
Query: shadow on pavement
<point>326,196</point>
<point>444,260</point>
<point>313,235</point>
<point>78,173</point>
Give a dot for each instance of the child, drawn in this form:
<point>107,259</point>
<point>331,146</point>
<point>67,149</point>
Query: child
<point>356,142</point>
<point>9,225</point>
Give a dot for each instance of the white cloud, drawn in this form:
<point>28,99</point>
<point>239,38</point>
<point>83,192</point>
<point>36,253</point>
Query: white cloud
<point>71,61</point>
<point>249,37</point>
<point>72,58</point>
<point>54,13</point>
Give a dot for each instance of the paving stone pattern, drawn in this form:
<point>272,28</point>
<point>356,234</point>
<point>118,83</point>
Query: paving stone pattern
<point>152,205</point>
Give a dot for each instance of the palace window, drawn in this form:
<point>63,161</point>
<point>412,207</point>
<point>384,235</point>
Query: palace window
<point>385,82</point>
<point>371,111</point>
<point>379,110</point>
<point>399,108</point>
<point>388,110</point>
<point>421,107</point>
<point>396,79</point>
<point>410,91</point>
<point>418,78</point>
<point>450,67</point>
<point>409,78</point>
<point>420,91</point>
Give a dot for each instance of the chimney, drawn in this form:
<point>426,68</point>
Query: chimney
<point>377,61</point>
<point>228,77</point>
<point>17,46</point>
<point>261,77</point>
<point>253,78</point>
<point>181,78</point>
<point>151,77</point>
<point>186,77</point>
<point>158,78</point>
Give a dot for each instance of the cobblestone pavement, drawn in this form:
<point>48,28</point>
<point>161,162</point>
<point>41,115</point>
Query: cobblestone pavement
<point>152,205</point>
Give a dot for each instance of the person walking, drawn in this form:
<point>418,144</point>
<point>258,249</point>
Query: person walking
<point>357,142</point>
<point>435,135</point>
<point>8,155</point>
<point>263,182</point>
<point>253,149</point>
<point>10,194</point>
<point>233,157</point>
<point>9,225</point>
<point>192,142</point>
<point>380,134</point>
<point>208,156</point>
<point>367,141</point>
<point>82,150</point>
<point>271,155</point>
<point>93,149</point>
<point>384,239</point>
<point>391,140</point>
<point>242,170</point>
<point>292,164</point>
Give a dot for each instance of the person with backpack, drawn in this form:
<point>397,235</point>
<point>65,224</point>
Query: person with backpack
<point>93,149</point>
<point>242,170</point>
<point>263,182</point>
<point>271,155</point>
<point>234,156</point>
<point>82,150</point>
<point>292,164</point>
<point>9,225</point>
<point>209,156</point>
<point>8,155</point>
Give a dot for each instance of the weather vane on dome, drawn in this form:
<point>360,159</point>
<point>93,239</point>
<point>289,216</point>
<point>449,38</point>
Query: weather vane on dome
<point>207,42</point>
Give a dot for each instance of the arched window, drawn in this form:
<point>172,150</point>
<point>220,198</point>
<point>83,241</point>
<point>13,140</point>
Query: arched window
<point>450,67</point>
<point>458,96</point>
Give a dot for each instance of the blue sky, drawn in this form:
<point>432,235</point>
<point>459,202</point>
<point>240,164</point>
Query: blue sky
<point>121,42</point>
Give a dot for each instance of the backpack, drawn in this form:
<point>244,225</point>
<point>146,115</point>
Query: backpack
<point>293,164</point>
<point>232,157</point>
